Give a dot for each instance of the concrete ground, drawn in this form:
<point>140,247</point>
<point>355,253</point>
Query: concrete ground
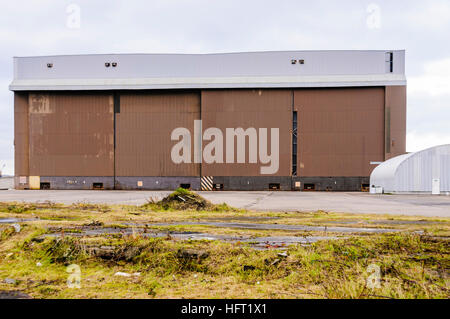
<point>350,202</point>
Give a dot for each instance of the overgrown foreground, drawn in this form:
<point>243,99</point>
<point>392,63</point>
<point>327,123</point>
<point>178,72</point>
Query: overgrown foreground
<point>405,264</point>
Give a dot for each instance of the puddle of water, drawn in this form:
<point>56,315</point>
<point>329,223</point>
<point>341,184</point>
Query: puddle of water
<point>403,222</point>
<point>15,220</point>
<point>256,242</point>
<point>13,294</point>
<point>284,241</point>
<point>278,242</point>
<point>344,222</point>
<point>8,220</point>
<point>243,218</point>
<point>381,222</point>
<point>282,227</point>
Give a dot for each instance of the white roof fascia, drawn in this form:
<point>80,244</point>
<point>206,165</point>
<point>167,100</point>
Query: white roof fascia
<point>209,82</point>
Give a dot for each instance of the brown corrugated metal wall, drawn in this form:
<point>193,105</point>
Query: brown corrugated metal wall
<point>339,130</point>
<point>249,108</point>
<point>71,134</point>
<point>143,132</point>
<point>396,128</point>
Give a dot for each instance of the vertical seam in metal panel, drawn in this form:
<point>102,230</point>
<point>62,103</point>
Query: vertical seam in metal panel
<point>292,150</point>
<point>384,122</point>
<point>201,133</point>
<point>28,133</point>
<point>29,137</point>
<point>116,109</point>
<point>387,123</point>
<point>114,140</point>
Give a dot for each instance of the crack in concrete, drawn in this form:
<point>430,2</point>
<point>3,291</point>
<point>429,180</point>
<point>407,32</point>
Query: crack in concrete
<point>258,200</point>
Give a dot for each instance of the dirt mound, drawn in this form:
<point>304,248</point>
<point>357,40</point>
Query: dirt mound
<point>183,199</point>
<point>116,253</point>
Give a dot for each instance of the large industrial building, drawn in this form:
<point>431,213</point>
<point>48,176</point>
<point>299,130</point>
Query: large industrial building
<point>292,120</point>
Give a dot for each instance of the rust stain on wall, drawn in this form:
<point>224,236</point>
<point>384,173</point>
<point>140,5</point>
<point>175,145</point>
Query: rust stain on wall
<point>71,134</point>
<point>40,103</point>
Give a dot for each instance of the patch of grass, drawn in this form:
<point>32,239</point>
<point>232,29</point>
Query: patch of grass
<point>411,266</point>
<point>16,208</point>
<point>20,208</point>
<point>90,207</point>
<point>224,207</point>
<point>6,232</point>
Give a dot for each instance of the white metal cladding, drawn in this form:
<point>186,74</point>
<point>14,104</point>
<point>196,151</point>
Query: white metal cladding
<point>414,172</point>
<point>224,70</point>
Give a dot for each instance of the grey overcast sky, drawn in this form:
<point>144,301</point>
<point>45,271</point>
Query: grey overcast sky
<point>44,27</point>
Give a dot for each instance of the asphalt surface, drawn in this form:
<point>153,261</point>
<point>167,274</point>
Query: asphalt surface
<point>350,202</point>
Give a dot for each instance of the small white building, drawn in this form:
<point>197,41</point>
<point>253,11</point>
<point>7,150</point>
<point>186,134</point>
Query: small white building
<point>426,171</point>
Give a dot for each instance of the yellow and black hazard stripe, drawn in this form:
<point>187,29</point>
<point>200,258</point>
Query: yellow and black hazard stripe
<point>206,183</point>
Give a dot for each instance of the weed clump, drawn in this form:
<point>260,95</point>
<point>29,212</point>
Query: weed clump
<point>6,233</point>
<point>183,199</point>
<point>16,208</point>
<point>65,250</point>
